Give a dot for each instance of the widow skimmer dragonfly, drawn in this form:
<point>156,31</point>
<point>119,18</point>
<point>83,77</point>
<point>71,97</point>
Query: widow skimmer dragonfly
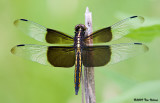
<point>77,52</point>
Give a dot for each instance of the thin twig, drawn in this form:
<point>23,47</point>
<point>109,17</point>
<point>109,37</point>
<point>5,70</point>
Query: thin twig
<point>89,82</point>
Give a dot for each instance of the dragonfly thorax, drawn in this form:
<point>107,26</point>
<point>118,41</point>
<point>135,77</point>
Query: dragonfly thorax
<point>79,35</point>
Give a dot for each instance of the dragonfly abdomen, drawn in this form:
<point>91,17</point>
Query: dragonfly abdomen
<point>78,70</point>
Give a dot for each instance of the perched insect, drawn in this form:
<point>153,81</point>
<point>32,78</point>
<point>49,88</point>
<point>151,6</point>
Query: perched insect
<point>78,52</point>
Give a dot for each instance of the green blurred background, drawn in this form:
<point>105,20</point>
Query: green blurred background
<point>23,81</point>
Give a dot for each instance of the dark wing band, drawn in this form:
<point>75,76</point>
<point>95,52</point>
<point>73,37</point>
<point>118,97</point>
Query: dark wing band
<point>61,56</point>
<point>43,34</point>
<point>48,55</point>
<point>96,56</point>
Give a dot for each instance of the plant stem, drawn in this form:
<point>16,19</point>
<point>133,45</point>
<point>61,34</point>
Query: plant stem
<point>89,82</point>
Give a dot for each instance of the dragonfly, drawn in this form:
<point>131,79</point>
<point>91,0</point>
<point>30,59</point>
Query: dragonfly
<point>72,51</point>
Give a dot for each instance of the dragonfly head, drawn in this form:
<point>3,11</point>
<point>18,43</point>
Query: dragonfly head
<point>80,27</point>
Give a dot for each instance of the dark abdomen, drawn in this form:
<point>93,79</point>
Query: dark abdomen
<point>78,70</point>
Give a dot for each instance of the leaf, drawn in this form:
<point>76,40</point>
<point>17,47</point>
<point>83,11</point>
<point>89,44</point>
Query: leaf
<point>146,34</point>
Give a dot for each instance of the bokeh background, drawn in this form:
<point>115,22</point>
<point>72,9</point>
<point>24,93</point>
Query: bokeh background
<point>23,81</point>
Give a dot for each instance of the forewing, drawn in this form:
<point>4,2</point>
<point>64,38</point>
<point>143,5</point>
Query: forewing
<point>43,34</point>
<point>116,31</point>
<point>48,55</point>
<point>101,55</point>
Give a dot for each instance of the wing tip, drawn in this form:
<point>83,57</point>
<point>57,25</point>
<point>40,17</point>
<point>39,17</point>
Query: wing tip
<point>140,17</point>
<point>145,47</point>
<point>13,50</point>
<point>16,21</point>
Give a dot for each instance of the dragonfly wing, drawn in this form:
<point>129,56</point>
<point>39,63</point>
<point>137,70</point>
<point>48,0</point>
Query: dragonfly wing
<point>43,34</point>
<point>58,56</point>
<point>116,31</point>
<point>110,54</point>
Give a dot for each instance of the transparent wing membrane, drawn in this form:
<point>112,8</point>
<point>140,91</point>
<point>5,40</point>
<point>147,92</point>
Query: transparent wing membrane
<point>125,51</point>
